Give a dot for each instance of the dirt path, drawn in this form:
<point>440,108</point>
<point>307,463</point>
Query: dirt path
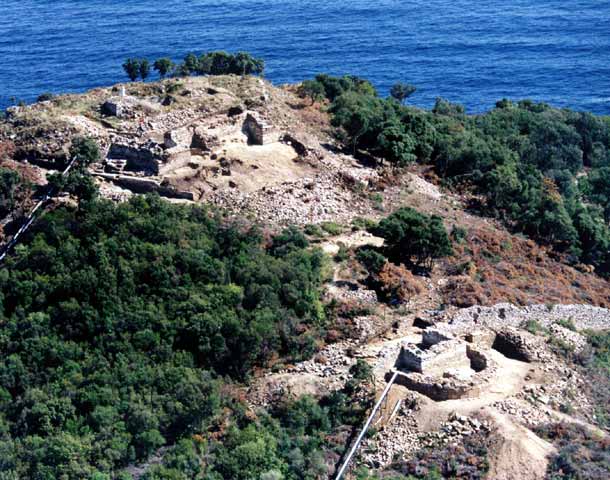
<point>517,452</point>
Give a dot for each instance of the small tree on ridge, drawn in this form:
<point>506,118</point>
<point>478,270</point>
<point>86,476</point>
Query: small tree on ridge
<point>401,91</point>
<point>132,68</point>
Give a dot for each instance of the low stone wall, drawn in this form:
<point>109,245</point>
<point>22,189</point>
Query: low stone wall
<point>432,336</point>
<point>144,185</point>
<point>483,338</point>
<point>435,360</point>
<point>478,360</point>
<point>518,344</point>
<point>451,387</point>
<point>438,390</point>
<point>506,314</point>
<point>178,138</point>
<point>259,132</point>
<point>144,158</point>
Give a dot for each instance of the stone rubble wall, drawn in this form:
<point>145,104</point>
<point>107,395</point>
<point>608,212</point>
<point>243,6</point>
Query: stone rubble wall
<point>506,314</point>
<point>432,336</point>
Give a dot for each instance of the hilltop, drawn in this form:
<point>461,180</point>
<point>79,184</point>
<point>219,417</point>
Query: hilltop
<point>235,260</point>
<point>186,139</point>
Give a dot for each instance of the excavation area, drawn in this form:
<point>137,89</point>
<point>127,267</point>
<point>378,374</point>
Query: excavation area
<point>451,385</point>
<point>471,385</point>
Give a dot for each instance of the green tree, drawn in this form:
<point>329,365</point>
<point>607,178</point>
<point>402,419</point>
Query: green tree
<point>401,91</point>
<point>221,63</point>
<point>413,237</point>
<point>596,187</point>
<point>85,150</point>
<point>144,69</point>
<point>248,454</point>
<point>76,183</point>
<point>245,64</point>
<point>132,68</point>
<point>190,64</point>
<point>9,183</point>
<point>396,145</point>
<point>358,115</point>
<point>45,97</point>
<point>312,89</point>
<point>163,66</point>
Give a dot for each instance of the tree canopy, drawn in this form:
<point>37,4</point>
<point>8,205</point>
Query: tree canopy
<point>413,237</point>
<point>120,319</point>
<point>401,91</point>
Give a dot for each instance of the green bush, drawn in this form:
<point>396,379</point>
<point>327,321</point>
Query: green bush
<point>332,228</point>
<point>525,161</point>
<point>372,260</point>
<point>414,238</point>
<point>533,326</point>
<point>567,323</point>
<point>10,182</point>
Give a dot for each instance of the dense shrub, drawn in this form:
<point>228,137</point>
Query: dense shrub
<point>581,454</point>
<point>117,320</point>
<point>10,182</point>
<point>413,237</point>
<point>522,160</point>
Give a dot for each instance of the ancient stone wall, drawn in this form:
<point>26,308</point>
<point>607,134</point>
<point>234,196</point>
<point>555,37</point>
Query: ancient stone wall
<point>432,336</point>
<point>138,158</point>
<point>179,138</point>
<point>435,360</point>
<point>259,132</point>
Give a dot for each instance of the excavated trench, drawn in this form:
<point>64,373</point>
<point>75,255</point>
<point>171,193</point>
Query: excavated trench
<point>510,347</point>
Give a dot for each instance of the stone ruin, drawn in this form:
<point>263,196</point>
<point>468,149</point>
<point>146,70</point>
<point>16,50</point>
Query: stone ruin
<point>125,106</point>
<point>444,366</point>
<point>259,131</point>
<point>437,352</point>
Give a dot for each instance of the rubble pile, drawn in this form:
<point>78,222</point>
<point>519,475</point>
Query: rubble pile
<point>506,314</point>
<point>454,430</point>
<point>396,440</point>
<point>308,200</point>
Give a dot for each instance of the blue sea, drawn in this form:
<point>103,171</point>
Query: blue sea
<point>472,52</point>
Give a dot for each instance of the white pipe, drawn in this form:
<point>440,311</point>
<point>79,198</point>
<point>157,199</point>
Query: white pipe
<point>366,427</point>
<point>30,219</point>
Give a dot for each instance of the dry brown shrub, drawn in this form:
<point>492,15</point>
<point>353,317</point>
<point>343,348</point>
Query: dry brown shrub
<point>398,282</point>
<point>7,150</point>
<point>462,291</point>
<point>509,268</point>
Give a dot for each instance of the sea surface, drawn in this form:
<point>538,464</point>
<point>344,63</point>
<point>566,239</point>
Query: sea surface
<point>472,52</point>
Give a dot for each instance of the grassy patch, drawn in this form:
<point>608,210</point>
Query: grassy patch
<point>567,323</point>
<point>332,228</point>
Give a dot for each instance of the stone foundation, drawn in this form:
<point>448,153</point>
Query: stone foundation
<point>259,132</point>
<point>434,360</point>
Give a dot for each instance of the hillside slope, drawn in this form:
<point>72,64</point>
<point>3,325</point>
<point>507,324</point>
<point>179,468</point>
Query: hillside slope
<point>196,336</point>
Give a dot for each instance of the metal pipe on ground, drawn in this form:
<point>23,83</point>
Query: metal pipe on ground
<point>354,449</point>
